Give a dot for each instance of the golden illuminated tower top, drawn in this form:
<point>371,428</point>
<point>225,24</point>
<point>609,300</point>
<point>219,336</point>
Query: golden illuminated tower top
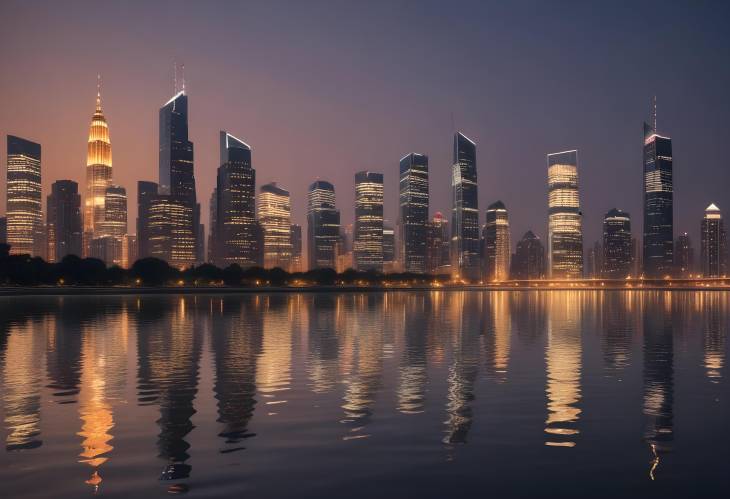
<point>98,168</point>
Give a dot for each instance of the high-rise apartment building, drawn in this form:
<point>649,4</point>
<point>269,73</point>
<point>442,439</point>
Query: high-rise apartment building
<point>617,245</point>
<point>565,232</point>
<point>714,243</point>
<point>323,225</point>
<point>63,220</point>
<point>497,248</point>
<point>274,214</point>
<point>465,210</point>
<point>24,211</point>
<point>413,222</point>
<point>368,236</point>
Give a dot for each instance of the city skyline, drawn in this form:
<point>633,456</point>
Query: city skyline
<point>509,167</point>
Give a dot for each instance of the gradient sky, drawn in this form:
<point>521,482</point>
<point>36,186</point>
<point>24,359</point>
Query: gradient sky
<point>324,89</point>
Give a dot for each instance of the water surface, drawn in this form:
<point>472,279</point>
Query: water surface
<point>402,394</point>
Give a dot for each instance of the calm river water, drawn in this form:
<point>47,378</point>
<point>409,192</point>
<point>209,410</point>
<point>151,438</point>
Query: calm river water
<point>401,394</point>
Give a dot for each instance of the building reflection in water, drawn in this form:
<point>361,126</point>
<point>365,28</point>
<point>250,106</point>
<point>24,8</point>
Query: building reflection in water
<point>497,335</point>
<point>412,373</point>
<point>563,363</point>
<point>322,341</point>
<point>713,308</point>
<point>169,348</point>
<point>273,369</point>
<point>658,350</point>
<point>618,325</point>
<point>465,312</point>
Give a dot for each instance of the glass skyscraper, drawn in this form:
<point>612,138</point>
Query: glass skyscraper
<point>465,210</point>
<point>497,248</point>
<point>368,238</point>
<point>658,257</point>
<point>274,210</point>
<point>24,210</point>
<point>714,243</point>
<point>234,232</point>
<point>323,225</point>
<point>414,211</point>
<point>565,232</point>
<point>63,216</point>
<point>617,245</point>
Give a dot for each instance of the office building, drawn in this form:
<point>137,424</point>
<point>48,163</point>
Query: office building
<point>617,245</point>
<point>684,256</point>
<point>528,261</point>
<point>146,193</point>
<point>170,231</point>
<point>368,236</point>
<point>98,173</point>
<point>565,232</point>
<point>296,248</point>
<point>465,210</point>
<point>274,215</point>
<point>323,226</point>
<point>497,248</point>
<point>438,245</point>
<point>24,212</point>
<point>63,220</point>
<point>389,249</point>
<point>413,216</point>
<point>714,243</point>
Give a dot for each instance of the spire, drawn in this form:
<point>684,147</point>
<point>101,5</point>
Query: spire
<point>98,93</point>
<point>653,114</point>
<point>182,70</point>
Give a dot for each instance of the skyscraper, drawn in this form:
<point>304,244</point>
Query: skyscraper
<point>212,225</point>
<point>235,213</point>
<point>616,244</point>
<point>465,210</point>
<point>146,193</point>
<point>296,248</point>
<point>63,216</point>
<point>565,232</point>
<point>114,226</point>
<point>658,203</point>
<point>497,248</point>
<point>529,258</point>
<point>438,245</point>
<point>177,178</point>
<point>170,231</point>
<point>274,210</point>
<point>323,225</point>
<point>714,243</point>
<point>98,172</point>
<point>389,258</point>
<point>24,210</point>
<point>684,256</point>
<point>413,221</point>
<point>368,237</point>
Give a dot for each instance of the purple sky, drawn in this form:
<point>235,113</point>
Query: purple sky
<point>322,90</point>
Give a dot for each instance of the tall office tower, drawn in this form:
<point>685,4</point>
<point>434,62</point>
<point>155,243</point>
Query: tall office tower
<point>235,215</point>
<point>24,210</point>
<point>146,193</point>
<point>98,172</point>
<point>617,245</point>
<point>413,221</point>
<point>3,230</point>
<point>323,225</point>
<point>497,248</point>
<point>114,224</point>
<point>212,225</point>
<point>714,243</point>
<point>529,259</point>
<point>129,251</point>
<point>438,245</point>
<point>658,203</point>
<point>368,237</point>
<point>465,210</point>
<point>170,223</point>
<point>63,219</point>
<point>274,207</point>
<point>177,178</point>
<point>389,258</point>
<point>684,256</point>
<point>296,248</point>
<point>565,233</point>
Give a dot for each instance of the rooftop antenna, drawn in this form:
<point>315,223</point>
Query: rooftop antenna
<point>98,92</point>
<point>174,72</point>
<point>653,113</point>
<point>182,70</point>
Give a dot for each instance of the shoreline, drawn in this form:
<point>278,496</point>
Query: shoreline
<point>231,290</point>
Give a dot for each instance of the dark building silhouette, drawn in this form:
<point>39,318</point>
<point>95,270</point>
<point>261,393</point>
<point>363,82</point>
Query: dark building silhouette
<point>714,243</point>
<point>684,256</point>
<point>296,248</point>
<point>63,217</point>
<point>617,244</point>
<point>368,237</point>
<point>323,226</point>
<point>528,262</point>
<point>414,211</point>
<point>658,251</point>
<point>234,238</point>
<point>465,210</point>
<point>438,245</point>
<point>3,230</point>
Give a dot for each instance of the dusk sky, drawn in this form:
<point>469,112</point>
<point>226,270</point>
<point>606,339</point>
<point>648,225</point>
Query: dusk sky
<point>324,89</point>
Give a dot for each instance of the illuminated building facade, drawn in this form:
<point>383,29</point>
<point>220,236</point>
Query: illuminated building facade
<point>24,210</point>
<point>323,225</point>
<point>565,232</point>
<point>114,224</point>
<point>176,175</point>
<point>296,248</point>
<point>714,243</point>
<point>389,258</point>
<point>528,261</point>
<point>413,221</point>
<point>233,213</point>
<point>465,210</point>
<point>146,193</point>
<point>658,257</point>
<point>170,231</point>
<point>368,237</point>
<point>98,172</point>
<point>497,248</point>
<point>684,256</point>
<point>63,220</point>
<point>438,245</point>
<point>274,210</point>
<point>129,251</point>
<point>616,244</point>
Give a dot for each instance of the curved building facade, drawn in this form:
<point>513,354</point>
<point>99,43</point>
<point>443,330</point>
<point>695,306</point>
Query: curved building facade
<point>565,232</point>
<point>98,172</point>
<point>497,250</point>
